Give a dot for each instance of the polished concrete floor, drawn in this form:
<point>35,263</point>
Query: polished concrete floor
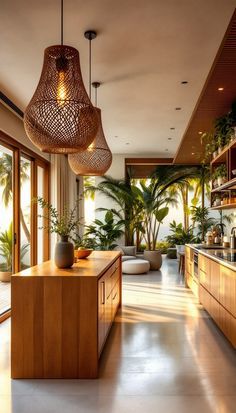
<point>164,354</point>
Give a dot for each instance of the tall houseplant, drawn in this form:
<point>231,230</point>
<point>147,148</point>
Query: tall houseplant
<point>64,225</point>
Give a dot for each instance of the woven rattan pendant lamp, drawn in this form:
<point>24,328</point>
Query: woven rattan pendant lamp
<point>60,117</point>
<point>97,159</point>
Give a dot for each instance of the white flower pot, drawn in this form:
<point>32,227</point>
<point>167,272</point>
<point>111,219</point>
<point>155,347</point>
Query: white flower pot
<point>180,249</point>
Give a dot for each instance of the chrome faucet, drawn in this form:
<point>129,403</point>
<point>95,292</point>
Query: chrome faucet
<point>233,238</point>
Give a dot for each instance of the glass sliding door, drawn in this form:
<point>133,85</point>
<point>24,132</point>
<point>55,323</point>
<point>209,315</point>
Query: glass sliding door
<point>25,212</point>
<point>6,226</point>
<point>23,243</point>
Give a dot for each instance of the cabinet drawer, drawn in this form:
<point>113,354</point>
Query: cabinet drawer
<point>205,278</point>
<point>204,264</point>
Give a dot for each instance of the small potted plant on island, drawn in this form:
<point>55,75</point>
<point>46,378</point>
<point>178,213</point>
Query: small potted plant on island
<point>64,225</point>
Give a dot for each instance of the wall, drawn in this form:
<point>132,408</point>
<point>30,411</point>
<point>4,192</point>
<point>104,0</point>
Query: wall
<point>12,125</point>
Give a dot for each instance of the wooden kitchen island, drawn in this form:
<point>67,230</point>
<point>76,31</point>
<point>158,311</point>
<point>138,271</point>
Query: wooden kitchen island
<point>61,317</point>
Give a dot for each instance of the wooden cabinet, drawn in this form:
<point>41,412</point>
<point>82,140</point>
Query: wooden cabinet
<point>61,317</point>
<point>217,294</point>
<point>227,289</point>
<point>190,280</point>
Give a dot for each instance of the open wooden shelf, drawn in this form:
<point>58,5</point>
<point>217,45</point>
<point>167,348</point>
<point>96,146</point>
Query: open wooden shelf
<point>226,206</point>
<point>222,157</point>
<point>229,185</point>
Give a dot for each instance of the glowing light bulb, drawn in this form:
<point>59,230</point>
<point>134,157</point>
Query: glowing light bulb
<point>61,90</point>
<point>91,147</point>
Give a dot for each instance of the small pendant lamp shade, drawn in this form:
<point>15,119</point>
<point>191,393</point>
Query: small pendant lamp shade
<point>97,159</point>
<point>60,117</point>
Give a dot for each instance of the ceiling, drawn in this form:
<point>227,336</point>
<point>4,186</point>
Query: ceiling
<point>144,50</point>
<point>215,100</point>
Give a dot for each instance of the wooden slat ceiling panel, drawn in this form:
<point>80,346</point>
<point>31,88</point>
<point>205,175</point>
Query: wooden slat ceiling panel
<point>212,103</point>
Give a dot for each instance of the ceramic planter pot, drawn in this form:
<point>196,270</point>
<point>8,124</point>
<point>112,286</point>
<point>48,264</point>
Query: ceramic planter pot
<point>5,276</point>
<point>221,180</point>
<point>214,155</point>
<point>155,259</point>
<point>64,253</point>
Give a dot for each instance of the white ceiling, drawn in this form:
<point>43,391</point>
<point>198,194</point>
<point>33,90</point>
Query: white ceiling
<point>143,51</point>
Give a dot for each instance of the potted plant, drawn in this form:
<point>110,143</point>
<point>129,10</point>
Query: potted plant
<point>102,235</point>
<point>180,236</point>
<point>64,225</point>
<point>221,174</point>
<point>201,220</point>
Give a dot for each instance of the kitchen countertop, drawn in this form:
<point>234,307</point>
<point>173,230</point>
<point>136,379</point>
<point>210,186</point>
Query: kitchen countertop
<point>216,254</point>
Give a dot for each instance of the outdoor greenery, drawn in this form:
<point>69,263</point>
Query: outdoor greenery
<point>6,248</point>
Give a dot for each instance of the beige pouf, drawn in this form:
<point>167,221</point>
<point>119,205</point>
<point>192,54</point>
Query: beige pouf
<point>135,266</point>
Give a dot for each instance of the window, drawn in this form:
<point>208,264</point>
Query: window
<point>23,242</point>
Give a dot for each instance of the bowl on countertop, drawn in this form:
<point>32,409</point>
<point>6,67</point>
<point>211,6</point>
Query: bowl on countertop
<point>83,253</point>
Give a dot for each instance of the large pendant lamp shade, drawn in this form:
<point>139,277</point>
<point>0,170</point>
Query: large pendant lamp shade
<point>97,159</point>
<point>60,117</point>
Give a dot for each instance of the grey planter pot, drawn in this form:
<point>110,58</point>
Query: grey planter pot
<point>155,259</point>
<point>64,253</point>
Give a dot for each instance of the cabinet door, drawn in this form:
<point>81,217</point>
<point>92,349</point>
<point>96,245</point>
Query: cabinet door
<point>227,289</point>
<point>215,280</point>
<point>101,296</point>
<point>204,270</point>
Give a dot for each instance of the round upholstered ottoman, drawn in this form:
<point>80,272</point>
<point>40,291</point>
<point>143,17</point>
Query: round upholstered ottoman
<point>135,266</point>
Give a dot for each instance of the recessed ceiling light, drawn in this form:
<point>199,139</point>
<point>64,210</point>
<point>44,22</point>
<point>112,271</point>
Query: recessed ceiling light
<point>172,128</point>
<point>184,82</point>
<point>169,139</point>
<point>193,153</point>
<point>178,108</point>
<point>220,89</point>
<point>115,136</point>
<point>127,143</point>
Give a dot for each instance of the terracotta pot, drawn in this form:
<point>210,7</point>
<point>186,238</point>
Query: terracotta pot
<point>5,276</point>
<point>64,253</point>
<point>154,257</point>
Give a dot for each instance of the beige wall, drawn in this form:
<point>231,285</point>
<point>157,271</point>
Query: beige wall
<point>13,126</point>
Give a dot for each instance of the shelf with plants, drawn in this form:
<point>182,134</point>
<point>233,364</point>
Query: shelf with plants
<point>220,153</point>
<point>223,199</point>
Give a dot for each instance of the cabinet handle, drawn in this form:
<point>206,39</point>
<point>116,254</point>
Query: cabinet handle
<point>103,292</point>
<point>114,296</point>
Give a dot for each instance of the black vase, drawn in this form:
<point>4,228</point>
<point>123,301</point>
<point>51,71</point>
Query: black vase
<point>64,253</point>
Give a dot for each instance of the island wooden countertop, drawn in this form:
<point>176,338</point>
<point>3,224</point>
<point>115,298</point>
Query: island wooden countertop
<point>93,266</point>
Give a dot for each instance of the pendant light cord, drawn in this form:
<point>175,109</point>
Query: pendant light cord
<point>62,21</point>
<point>96,96</point>
<point>90,66</point>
